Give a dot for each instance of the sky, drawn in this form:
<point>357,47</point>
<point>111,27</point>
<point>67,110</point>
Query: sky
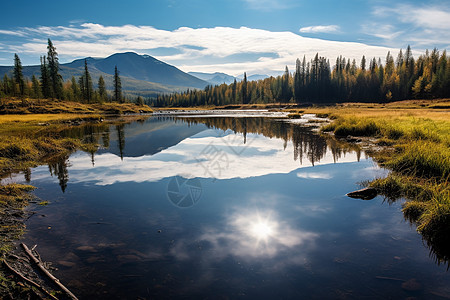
<point>230,36</point>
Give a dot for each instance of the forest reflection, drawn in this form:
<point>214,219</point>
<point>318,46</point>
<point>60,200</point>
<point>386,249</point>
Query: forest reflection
<point>307,145</point>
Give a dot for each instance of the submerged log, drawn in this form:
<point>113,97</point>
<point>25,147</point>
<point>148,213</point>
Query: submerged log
<point>39,263</point>
<point>364,194</point>
<point>21,276</point>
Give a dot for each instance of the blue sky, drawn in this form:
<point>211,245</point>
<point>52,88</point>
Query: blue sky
<point>232,36</point>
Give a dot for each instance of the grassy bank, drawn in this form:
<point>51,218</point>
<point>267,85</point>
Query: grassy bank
<point>28,140</point>
<point>416,147</point>
<point>16,106</point>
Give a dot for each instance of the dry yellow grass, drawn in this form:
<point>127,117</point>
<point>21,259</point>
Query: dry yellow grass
<point>52,106</point>
<point>42,117</point>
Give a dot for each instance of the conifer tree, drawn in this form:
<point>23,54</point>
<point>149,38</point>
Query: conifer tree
<point>297,81</point>
<point>140,101</point>
<point>244,93</point>
<point>53,69</point>
<point>45,80</point>
<point>87,91</point>
<point>102,89</point>
<point>117,87</point>
<point>35,87</point>
<point>75,89</point>
<point>18,75</point>
<point>363,63</point>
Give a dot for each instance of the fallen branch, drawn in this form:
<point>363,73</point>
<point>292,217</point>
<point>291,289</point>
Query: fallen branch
<point>28,280</point>
<point>47,273</point>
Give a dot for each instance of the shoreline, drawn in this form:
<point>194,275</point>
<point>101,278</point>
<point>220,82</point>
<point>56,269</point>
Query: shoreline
<point>386,142</point>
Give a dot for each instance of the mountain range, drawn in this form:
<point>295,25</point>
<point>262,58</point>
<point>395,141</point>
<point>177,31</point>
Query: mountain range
<point>220,78</point>
<point>140,74</point>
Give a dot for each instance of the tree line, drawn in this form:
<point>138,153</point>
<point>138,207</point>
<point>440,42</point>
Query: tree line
<point>315,81</point>
<point>50,84</point>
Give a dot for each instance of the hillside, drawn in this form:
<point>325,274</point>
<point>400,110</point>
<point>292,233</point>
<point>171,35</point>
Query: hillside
<point>140,74</point>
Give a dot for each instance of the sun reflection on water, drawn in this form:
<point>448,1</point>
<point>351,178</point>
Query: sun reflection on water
<point>261,229</point>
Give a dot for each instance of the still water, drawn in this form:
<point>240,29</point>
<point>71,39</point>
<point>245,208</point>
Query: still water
<point>224,208</point>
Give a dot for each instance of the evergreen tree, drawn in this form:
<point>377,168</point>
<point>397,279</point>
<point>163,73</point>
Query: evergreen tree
<point>75,89</point>
<point>102,89</point>
<point>244,93</point>
<point>363,63</point>
<point>35,87</point>
<point>53,69</point>
<point>87,91</point>
<point>140,101</point>
<point>45,80</point>
<point>18,75</point>
<point>233,91</point>
<point>117,87</point>
<point>297,81</point>
<point>285,88</point>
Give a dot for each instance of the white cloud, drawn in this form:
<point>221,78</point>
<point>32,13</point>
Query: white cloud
<point>220,45</point>
<point>421,25</point>
<point>320,29</point>
<point>10,32</point>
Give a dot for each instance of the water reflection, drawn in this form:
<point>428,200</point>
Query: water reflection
<point>218,148</point>
<point>252,234</point>
<point>273,221</point>
<point>59,168</point>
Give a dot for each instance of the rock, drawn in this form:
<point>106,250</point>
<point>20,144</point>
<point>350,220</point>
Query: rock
<point>364,194</point>
<point>352,139</point>
<point>127,258</point>
<point>412,285</point>
<point>65,263</point>
<point>87,249</point>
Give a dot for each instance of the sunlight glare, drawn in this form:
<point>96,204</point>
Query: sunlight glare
<point>262,230</point>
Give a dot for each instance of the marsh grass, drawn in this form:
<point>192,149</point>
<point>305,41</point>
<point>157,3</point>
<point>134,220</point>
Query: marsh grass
<point>416,140</point>
<point>422,159</point>
<point>53,106</point>
<point>13,198</point>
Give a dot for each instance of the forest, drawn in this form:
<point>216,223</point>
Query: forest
<point>50,84</point>
<point>315,81</point>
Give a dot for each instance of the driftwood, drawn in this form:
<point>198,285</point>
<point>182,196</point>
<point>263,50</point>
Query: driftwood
<point>47,273</point>
<point>28,280</point>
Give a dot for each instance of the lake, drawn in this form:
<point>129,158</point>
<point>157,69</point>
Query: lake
<point>224,207</point>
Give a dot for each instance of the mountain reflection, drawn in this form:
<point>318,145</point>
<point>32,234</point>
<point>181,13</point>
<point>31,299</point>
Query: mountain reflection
<point>218,148</point>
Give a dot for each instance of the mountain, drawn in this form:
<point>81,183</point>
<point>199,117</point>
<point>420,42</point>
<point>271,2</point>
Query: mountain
<point>214,78</point>
<point>140,74</point>
<point>142,67</point>
<point>257,77</point>
<point>219,78</point>
<point>254,77</point>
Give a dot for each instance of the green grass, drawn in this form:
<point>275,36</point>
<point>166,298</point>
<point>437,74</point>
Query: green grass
<point>422,159</point>
<point>417,150</point>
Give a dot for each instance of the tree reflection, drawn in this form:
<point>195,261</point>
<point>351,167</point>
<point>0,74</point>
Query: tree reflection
<point>27,174</point>
<point>306,143</point>
<point>121,138</point>
<point>59,168</point>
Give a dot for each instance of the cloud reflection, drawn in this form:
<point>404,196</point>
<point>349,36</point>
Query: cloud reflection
<point>193,157</point>
<point>253,235</point>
